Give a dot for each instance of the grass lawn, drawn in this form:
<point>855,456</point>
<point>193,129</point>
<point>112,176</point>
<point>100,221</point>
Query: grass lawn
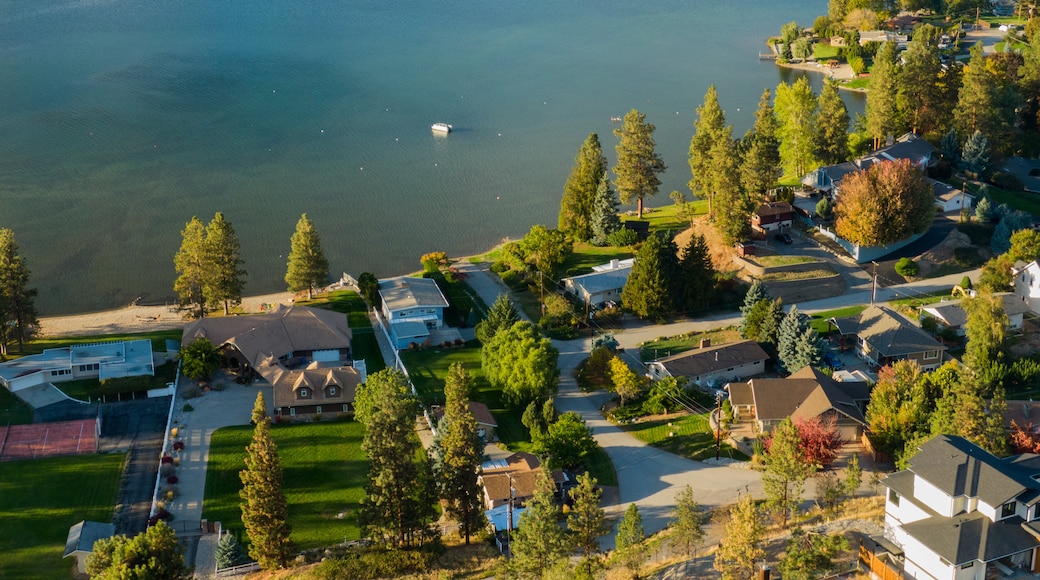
<point>90,389</point>
<point>599,466</point>
<point>819,320</point>
<point>776,261</point>
<point>157,337</point>
<point>824,272</point>
<point>14,411</point>
<point>325,473</point>
<point>428,368</point>
<point>464,306</point>
<point>693,438</point>
<point>824,51</point>
<point>860,84</point>
<point>1025,201</point>
<point>667,218</point>
<point>669,345</point>
<point>585,256</point>
<point>41,498</point>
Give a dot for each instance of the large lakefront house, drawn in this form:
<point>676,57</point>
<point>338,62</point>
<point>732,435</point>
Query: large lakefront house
<point>412,307</point>
<point>960,513</point>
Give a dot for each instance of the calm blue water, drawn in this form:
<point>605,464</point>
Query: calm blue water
<point>121,119</point>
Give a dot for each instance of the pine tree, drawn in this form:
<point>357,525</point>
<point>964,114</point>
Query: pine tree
<point>694,287</point>
<point>502,314</point>
<point>396,506</point>
<point>629,540</point>
<point>708,130</point>
<point>950,146</point>
<point>786,470</point>
<point>539,542</point>
<point>755,294</point>
<point>732,207</point>
<point>459,451</point>
<point>687,532</point>
<point>18,316</point>
<point>881,109</point>
<point>229,552</point>
<point>740,547</point>
<point>307,268</point>
<point>637,163</point>
<point>917,95</point>
<point>833,138</point>
<point>810,555</point>
<point>791,329</point>
<point>987,98</point>
<point>647,290</point>
<point>760,164</point>
<point>587,520</point>
<point>795,108</point>
<point>605,220</point>
<point>808,350</point>
<point>225,277</point>
<point>192,268</point>
<point>264,510</point>
<point>975,156</point>
<point>579,193</point>
<point>853,476</point>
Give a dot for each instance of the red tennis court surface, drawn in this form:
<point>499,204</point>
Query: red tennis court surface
<point>48,439</point>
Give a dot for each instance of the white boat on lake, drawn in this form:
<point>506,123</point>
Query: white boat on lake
<point>441,128</point>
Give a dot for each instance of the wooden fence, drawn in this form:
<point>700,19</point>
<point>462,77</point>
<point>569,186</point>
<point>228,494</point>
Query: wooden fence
<point>879,568</point>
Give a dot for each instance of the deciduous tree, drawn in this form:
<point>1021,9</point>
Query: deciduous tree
<point>587,521</point>
<point>307,268</point>
<point>579,192</point>
<point>546,249</point>
<point>368,287</point>
<point>522,363</point>
<point>888,202</point>
<point>18,316</point>
<point>638,164</point>
<point>986,329</point>
<point>458,454</point>
<point>225,277</point>
<point>898,409</point>
<point>833,127</point>
<point>199,359</point>
<point>265,512</point>
<point>566,442</point>
<point>740,547</point>
<point>819,440</point>
<point>154,553</point>
<point>626,383</point>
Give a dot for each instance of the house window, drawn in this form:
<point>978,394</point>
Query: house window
<point>292,411</point>
<point>318,410</point>
<point>346,408</point>
<point>893,497</point>
<point>1007,510</point>
<point>968,565</point>
<point>931,354</point>
<point>60,373</point>
<point>303,393</point>
<point>332,391</point>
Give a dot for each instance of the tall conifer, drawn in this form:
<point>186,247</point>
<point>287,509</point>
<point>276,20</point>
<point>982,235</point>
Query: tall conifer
<point>307,268</point>
<point>708,130</point>
<point>264,509</point>
<point>579,193</point>
<point>459,451</point>
<point>833,126</point>
<point>18,316</point>
<point>638,164</point>
<point>605,220</point>
<point>225,278</point>
<point>191,264</point>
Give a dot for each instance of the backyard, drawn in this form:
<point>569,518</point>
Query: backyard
<point>92,389</point>
<point>41,499</point>
<point>325,473</point>
<point>363,343</point>
<point>669,345</point>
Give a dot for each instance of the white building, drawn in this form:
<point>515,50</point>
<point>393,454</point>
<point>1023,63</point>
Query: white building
<point>952,315</point>
<point>1027,284</point>
<point>604,284</point>
<point>99,360</point>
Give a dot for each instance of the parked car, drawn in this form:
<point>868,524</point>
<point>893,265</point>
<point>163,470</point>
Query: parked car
<point>783,238</point>
<point>832,360</point>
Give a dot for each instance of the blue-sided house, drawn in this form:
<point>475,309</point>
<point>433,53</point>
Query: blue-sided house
<point>412,307</point>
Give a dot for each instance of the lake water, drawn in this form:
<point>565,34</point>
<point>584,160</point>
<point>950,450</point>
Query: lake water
<point>121,119</point>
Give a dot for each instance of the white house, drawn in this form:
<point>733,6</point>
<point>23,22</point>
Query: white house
<point>959,512</point>
<point>1027,284</point>
<point>412,307</point>
<point>713,365</point>
<point>604,284</point>
<point>99,360</point>
<point>951,314</point>
<point>950,198</point>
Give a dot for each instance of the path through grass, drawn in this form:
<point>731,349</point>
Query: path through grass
<point>40,499</point>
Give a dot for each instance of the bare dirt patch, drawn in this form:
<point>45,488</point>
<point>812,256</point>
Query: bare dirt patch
<point>943,253</point>
<point>721,252</point>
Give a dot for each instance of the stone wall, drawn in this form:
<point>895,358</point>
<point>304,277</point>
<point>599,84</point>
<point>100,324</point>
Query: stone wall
<point>756,270</point>
<point>793,291</point>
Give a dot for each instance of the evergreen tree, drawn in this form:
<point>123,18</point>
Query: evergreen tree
<point>811,555</point>
<point>708,131</point>
<point>808,350</point>
<point>833,138</point>
<point>791,329</point>
<point>579,193</point>
<point>225,278</point>
<point>154,553</point>
<point>786,470</point>
<point>853,476</point>
<point>307,267</point>
<point>229,552</point>
<point>605,220</point>
<point>459,451</point>
<point>637,163</point>
<point>687,532</point>
<point>629,539</point>
<point>795,108</point>
<point>988,96</point>
<point>539,542</point>
<point>587,520</point>
<point>502,314</point>
<point>762,323</point>
<point>950,147</point>
<point>760,164</point>
<point>917,93</point>
<point>522,363</point>
<point>396,506</point>
<point>740,547</point>
<point>264,510</point>
<point>881,99</point>
<point>191,264</point>
<point>983,209</point>
<point>975,156</point>
<point>755,294</point>
<point>732,208</point>
<point>18,316</point>
<point>647,290</point>
<point>694,287</point>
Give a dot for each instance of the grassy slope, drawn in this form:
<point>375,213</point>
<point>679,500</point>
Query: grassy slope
<point>693,438</point>
<point>41,498</point>
<point>669,345</point>
<point>325,472</point>
<point>819,320</point>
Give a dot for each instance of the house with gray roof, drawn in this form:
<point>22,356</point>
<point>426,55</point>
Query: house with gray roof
<point>97,360</point>
<point>80,542</point>
<point>960,512</point>
<point>303,352</point>
<point>412,307</point>
<point>808,395</point>
<point>604,284</point>
<point>951,314</point>
<point>712,365</point>
<point>881,337</point>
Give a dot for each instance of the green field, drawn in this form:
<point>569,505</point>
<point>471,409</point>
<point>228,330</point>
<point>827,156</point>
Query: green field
<point>41,499</point>
<point>819,320</point>
<point>585,256</point>
<point>693,438</point>
<point>324,473</point>
<point>666,218</point>
<point>823,52</point>
<point>777,261</point>
<point>669,345</point>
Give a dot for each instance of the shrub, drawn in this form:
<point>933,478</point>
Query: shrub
<point>906,267</point>
<point>1005,180</point>
<point>968,258</point>
<point>187,408</point>
<point>512,278</point>
<point>375,563</point>
<point>172,479</point>
<point>622,237</point>
<point>166,460</point>
<point>966,283</point>
<point>178,445</point>
<point>499,267</point>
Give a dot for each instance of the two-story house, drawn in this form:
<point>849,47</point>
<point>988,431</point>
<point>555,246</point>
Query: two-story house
<point>412,307</point>
<point>1027,284</point>
<point>960,513</point>
<point>772,218</point>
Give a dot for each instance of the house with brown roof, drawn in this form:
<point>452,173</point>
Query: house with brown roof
<point>514,477</point>
<point>807,394</point>
<point>881,337</point>
<point>772,218</point>
<point>304,353</point>
<point>486,423</point>
<point>713,364</point>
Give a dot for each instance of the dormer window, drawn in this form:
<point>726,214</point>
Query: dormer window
<point>1007,510</point>
<point>303,393</point>
<point>332,391</point>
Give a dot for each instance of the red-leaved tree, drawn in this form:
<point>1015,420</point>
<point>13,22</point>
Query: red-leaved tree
<point>1024,439</point>
<point>820,440</point>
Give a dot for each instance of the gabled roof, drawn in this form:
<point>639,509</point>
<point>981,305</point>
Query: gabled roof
<point>805,394</point>
<point>948,192</point>
<point>910,147</point>
<point>776,208</point>
<point>83,535</point>
<point>702,361</point>
<point>887,332</point>
<point>953,314</point>
<point>972,536</point>
<point>958,467</point>
<point>480,412</point>
<point>317,376</point>
<point>404,293</point>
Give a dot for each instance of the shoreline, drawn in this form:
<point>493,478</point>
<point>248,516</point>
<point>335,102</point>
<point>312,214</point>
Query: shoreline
<point>842,72</point>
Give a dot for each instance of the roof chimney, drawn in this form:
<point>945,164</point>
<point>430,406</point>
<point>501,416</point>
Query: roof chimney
<point>614,264</point>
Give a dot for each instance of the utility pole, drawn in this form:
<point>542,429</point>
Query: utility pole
<point>509,530</point>
<point>962,200</point>
<point>873,284</point>
<point>541,294</point>
<point>718,424</point>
